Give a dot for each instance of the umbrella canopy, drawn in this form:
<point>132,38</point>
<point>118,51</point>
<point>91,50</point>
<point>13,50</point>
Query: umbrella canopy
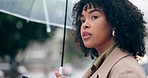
<point>50,12</point>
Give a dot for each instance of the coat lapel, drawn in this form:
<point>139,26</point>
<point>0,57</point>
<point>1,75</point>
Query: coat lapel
<point>87,73</point>
<point>112,59</point>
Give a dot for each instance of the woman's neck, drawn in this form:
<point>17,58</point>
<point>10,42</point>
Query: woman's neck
<point>105,46</point>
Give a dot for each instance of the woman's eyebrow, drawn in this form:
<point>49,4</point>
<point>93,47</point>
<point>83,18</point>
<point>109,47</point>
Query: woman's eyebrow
<point>94,11</point>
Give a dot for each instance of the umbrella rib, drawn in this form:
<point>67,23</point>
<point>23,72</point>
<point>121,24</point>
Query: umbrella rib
<point>46,16</point>
<point>30,10</point>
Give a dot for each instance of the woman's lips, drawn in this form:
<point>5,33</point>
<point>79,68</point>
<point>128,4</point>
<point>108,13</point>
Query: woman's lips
<point>86,35</point>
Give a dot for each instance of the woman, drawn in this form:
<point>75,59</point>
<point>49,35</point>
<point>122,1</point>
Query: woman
<point>111,32</point>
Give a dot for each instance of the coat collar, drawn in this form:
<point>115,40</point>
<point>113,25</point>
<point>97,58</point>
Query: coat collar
<point>116,55</point>
<point>110,61</point>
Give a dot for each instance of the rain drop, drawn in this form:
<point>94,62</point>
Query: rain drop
<point>19,25</point>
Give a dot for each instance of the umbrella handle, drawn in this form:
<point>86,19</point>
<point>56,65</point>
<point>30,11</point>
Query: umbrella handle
<point>61,70</point>
<point>25,77</point>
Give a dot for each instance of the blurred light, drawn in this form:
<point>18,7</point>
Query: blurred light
<point>2,74</point>
<point>5,66</point>
<point>19,25</point>
<point>22,69</point>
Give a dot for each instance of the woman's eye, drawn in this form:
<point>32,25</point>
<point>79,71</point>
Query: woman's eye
<point>94,17</point>
<point>82,21</point>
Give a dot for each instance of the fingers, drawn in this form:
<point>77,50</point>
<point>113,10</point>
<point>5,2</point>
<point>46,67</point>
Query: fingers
<point>61,77</point>
<point>58,75</point>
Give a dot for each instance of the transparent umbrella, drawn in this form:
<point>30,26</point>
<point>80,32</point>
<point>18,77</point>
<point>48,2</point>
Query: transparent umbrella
<point>49,12</point>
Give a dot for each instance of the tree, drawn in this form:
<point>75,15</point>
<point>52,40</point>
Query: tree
<point>16,33</point>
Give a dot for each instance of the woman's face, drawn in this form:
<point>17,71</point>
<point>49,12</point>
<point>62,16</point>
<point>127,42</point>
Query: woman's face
<point>95,30</point>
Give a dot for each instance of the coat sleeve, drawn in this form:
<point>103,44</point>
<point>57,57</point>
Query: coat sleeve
<point>126,69</point>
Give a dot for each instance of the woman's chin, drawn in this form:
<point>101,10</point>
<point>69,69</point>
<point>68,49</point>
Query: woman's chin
<point>88,46</point>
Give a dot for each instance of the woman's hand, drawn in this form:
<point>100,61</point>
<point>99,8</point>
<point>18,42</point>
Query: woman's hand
<point>58,75</point>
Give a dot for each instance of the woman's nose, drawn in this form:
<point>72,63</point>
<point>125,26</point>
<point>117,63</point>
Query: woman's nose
<point>86,25</point>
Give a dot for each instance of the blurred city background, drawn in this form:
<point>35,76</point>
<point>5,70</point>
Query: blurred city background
<point>32,48</point>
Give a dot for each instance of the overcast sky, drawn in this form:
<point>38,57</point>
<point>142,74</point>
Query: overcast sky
<point>143,6</point>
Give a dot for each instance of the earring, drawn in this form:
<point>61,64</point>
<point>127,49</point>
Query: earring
<point>113,33</point>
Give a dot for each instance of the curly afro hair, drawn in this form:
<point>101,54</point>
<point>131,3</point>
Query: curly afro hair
<point>125,17</point>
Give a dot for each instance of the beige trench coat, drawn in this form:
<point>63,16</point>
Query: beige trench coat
<point>118,64</point>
